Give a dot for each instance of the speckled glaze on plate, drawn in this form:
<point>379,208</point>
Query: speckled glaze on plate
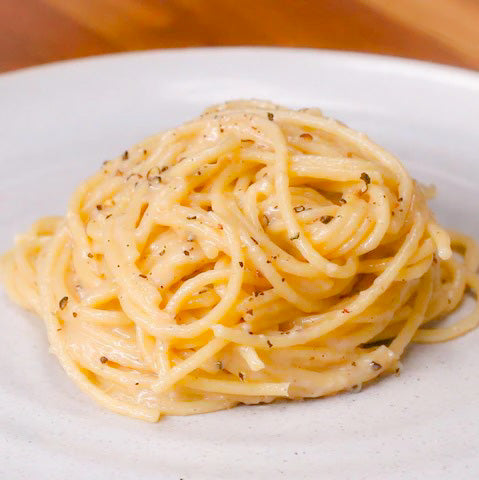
<point>59,122</point>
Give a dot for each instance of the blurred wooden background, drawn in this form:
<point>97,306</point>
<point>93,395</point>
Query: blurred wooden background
<point>39,31</point>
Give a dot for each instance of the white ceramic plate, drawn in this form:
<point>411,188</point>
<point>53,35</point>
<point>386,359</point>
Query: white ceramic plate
<point>59,122</point>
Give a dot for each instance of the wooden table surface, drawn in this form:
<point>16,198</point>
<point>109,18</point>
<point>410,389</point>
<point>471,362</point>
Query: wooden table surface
<point>39,31</point>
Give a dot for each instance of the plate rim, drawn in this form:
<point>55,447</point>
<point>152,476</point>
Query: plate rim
<point>395,63</point>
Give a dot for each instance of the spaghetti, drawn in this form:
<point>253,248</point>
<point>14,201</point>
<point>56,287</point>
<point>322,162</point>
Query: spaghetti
<point>254,253</point>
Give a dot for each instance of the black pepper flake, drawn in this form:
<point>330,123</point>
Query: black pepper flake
<point>75,314</point>
<point>162,252</point>
<point>375,366</point>
<point>299,208</point>
<point>269,343</point>
<point>99,207</point>
<point>137,383</point>
<point>353,364</point>
<point>366,178</point>
<point>295,237</point>
<point>153,175</point>
<point>342,200</point>
<point>254,240</point>
<point>186,252</point>
<point>241,375</point>
<point>219,364</point>
<point>90,255</point>
<point>145,151</point>
<point>306,136</point>
<point>283,279</point>
<point>270,116</point>
<point>241,264</point>
<point>164,169</point>
<point>142,275</point>
<point>63,303</point>
<point>326,219</point>
<point>58,329</point>
<point>103,359</point>
<point>265,220</point>
<point>134,175</point>
<point>125,155</point>
<point>249,312</point>
<point>108,216</point>
<point>191,217</point>
<point>400,199</point>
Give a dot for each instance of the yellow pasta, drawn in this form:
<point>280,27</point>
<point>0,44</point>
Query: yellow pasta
<point>254,253</point>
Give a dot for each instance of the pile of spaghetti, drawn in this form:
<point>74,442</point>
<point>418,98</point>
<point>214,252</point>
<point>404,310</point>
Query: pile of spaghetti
<point>254,253</point>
